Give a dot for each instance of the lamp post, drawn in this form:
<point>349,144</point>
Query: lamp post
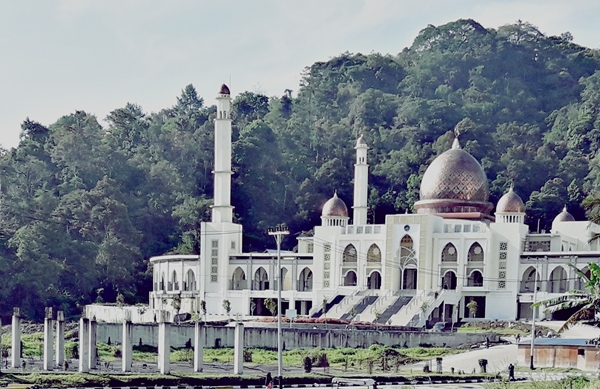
<point>278,232</point>
<point>533,308</point>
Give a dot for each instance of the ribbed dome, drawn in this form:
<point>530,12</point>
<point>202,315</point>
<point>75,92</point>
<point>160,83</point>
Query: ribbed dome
<point>564,216</point>
<point>224,90</point>
<point>510,202</point>
<point>455,175</point>
<point>335,207</point>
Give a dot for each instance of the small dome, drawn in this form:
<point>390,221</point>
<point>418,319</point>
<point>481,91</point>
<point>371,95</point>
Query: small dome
<point>335,207</point>
<point>564,216</point>
<point>510,202</point>
<point>361,141</point>
<point>224,90</point>
<point>455,175</point>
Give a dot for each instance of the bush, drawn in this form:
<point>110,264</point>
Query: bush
<point>247,355</point>
<point>307,364</point>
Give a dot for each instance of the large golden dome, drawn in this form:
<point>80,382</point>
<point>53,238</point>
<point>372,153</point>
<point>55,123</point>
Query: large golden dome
<point>455,175</point>
<point>455,186</point>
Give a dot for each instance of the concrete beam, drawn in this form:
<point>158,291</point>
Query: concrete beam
<point>60,338</point>
<point>238,352</point>
<point>84,328</point>
<point>198,347</point>
<point>164,347</point>
<point>49,339</point>
<point>126,346</point>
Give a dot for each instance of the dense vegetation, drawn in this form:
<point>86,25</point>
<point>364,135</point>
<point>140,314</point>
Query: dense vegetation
<point>83,207</point>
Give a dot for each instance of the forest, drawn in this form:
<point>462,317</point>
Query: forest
<point>83,206</point>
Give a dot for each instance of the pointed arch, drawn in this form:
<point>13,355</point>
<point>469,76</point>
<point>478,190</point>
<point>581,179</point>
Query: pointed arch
<point>579,282</point>
<point>449,280</point>
<point>190,280</point>
<point>238,279</point>
<point>558,280</point>
<point>449,253</point>
<point>261,279</point>
<point>350,278</point>
<point>374,280</point>
<point>406,245</point>
<point>305,281</point>
<point>162,282</point>
<point>349,255</point>
<point>174,285</point>
<point>528,280</point>
<point>475,278</point>
<point>475,253</point>
<point>374,253</point>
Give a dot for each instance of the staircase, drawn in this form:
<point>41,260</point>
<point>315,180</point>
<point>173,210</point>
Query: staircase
<point>330,304</point>
<point>359,308</point>
<point>393,309</point>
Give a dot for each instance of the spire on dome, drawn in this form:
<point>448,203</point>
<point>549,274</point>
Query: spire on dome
<point>456,144</point>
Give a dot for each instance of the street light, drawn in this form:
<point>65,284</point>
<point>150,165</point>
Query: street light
<point>278,232</point>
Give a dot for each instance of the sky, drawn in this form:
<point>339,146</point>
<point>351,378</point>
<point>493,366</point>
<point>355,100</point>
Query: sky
<point>59,56</point>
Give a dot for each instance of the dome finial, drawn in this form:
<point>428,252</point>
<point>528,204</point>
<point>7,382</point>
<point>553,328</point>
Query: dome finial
<point>456,144</point>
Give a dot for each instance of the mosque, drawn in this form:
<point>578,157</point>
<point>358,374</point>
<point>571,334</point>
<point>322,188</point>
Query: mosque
<point>454,259</point>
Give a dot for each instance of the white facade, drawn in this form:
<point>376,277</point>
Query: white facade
<point>415,267</point>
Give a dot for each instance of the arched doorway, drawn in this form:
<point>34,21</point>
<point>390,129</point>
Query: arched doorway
<point>408,264</point>
<point>528,280</point>
<point>350,278</point>
<point>374,280</point>
<point>475,278</point>
<point>409,278</point>
<point>449,280</point>
<point>305,281</point>
<point>558,280</point>
<point>261,279</point>
<point>190,283</point>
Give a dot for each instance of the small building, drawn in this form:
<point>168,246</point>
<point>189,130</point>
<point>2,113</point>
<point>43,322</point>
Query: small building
<point>558,352</point>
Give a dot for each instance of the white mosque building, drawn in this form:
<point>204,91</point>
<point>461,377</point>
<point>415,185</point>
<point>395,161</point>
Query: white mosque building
<point>427,266</point>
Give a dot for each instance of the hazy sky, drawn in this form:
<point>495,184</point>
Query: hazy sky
<point>58,56</point>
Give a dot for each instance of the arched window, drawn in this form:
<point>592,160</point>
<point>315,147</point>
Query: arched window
<point>475,253</point>
<point>374,254</point>
<point>406,245</point>
<point>350,278</point>
<point>349,254</point>
<point>580,282</point>
<point>475,279</point>
<point>190,282</point>
<point>449,253</point>
<point>162,282</point>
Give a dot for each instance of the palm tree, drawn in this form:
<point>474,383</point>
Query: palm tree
<point>587,302</point>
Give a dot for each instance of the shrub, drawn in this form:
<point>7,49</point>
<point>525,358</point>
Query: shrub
<point>247,355</point>
<point>307,364</point>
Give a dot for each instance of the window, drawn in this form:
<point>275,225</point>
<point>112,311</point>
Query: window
<point>475,253</point>
<point>449,253</point>
<point>349,254</point>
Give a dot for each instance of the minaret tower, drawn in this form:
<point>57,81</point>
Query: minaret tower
<point>222,211</point>
<point>361,182</point>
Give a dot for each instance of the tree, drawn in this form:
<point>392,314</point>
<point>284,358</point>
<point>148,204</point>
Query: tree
<point>271,305</point>
<point>227,306</point>
<point>472,306</point>
<point>586,303</point>
<point>203,308</point>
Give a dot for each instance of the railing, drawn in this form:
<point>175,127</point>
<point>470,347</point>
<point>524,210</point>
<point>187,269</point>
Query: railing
<point>319,307</point>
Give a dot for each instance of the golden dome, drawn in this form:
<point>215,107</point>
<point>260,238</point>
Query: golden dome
<point>564,216</point>
<point>510,202</point>
<point>455,175</point>
<point>335,207</point>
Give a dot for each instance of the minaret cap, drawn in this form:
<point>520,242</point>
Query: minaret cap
<point>456,144</point>
<point>224,90</point>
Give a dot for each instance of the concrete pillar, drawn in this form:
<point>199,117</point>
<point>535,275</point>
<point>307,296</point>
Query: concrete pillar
<point>126,346</point>
<point>60,338</point>
<point>238,352</point>
<point>49,339</point>
<point>84,328</point>
<point>198,347</point>
<point>164,347</point>
<point>16,339</point>
<point>92,349</point>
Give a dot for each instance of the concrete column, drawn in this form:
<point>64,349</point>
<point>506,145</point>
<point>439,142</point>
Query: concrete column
<point>84,328</point>
<point>49,339</point>
<point>16,339</point>
<point>92,350</point>
<point>60,338</point>
<point>238,352</point>
<point>164,347</point>
<point>126,346</point>
<point>198,347</point>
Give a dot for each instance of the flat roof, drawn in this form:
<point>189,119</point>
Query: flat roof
<point>558,342</point>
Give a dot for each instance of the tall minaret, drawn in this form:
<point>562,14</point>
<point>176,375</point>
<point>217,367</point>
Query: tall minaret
<point>361,182</point>
<point>222,211</point>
